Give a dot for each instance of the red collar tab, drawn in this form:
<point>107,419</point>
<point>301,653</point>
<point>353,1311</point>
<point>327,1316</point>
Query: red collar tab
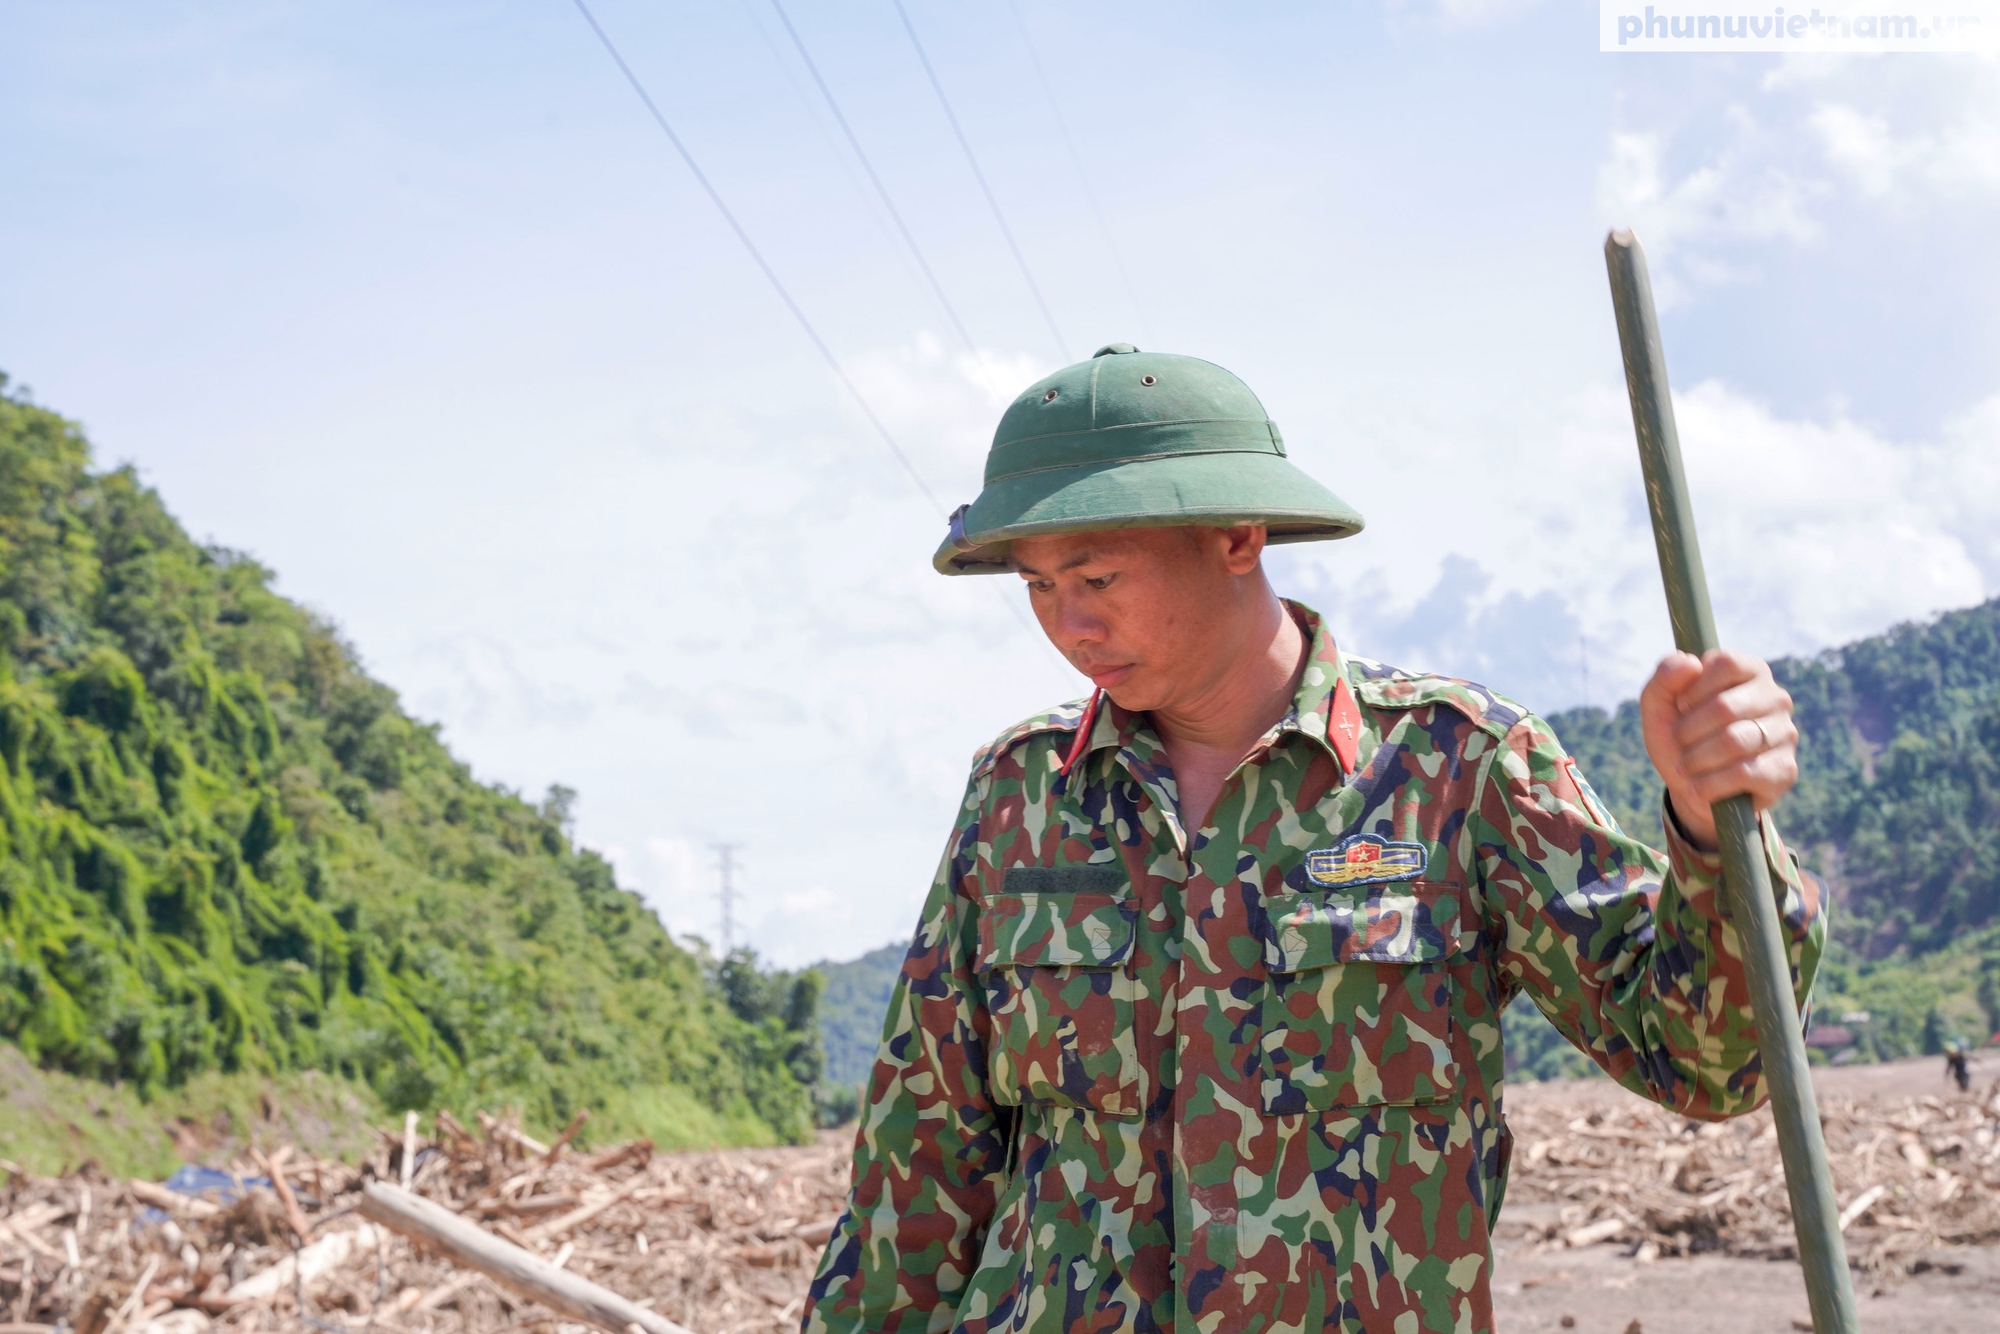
<point>1343,724</point>
<point>1083,731</point>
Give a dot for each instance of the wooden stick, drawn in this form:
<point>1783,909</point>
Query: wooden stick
<point>1746,874</point>
<point>619,1154</point>
<point>517,1270</point>
<point>497,1130</point>
<point>582,1214</point>
<point>409,1148</point>
<point>274,1168</point>
<point>31,1241</point>
<point>147,1192</point>
<point>304,1265</point>
<point>138,1297</point>
<point>443,1292</point>
<point>569,1133</point>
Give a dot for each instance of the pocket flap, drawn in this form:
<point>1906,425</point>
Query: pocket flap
<point>1070,927</point>
<point>1316,931</point>
<point>1088,878</point>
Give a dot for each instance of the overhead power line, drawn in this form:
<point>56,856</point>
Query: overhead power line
<point>784,295</point>
<point>1062,344</point>
<point>770,274</point>
<point>817,114</point>
<point>1082,173</point>
<point>881,190</point>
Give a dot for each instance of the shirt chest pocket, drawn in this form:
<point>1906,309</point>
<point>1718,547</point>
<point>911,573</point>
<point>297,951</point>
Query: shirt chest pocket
<point>1056,967</point>
<point>1357,1010</point>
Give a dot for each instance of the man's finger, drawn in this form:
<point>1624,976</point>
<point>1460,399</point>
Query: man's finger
<point>1741,740</point>
<point>1762,698</point>
<point>1659,702</point>
<point>1721,669</point>
<point>1763,778</point>
<point>1674,674</point>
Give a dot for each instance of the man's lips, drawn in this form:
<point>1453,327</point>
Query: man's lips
<point>1107,675</point>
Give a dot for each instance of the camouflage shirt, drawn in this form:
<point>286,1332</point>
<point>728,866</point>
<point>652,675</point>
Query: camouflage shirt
<point>1248,1077</point>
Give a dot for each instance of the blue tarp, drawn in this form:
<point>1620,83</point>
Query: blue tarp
<point>206,1182</point>
<point>226,1189</point>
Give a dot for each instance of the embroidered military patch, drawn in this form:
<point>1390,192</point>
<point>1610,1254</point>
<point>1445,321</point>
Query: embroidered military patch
<point>1364,859</point>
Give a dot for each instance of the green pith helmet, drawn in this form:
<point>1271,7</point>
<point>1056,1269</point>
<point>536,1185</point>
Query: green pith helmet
<point>1133,439</point>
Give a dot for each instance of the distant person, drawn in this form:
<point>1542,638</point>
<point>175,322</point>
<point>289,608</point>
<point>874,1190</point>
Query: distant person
<point>1957,1066</point>
<point>1200,1030</point>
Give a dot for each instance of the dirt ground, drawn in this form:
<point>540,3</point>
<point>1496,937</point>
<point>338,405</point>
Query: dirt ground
<point>1601,1290</point>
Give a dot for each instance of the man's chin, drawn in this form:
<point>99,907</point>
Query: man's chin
<point>1132,697</point>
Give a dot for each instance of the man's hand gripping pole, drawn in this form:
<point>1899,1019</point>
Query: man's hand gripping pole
<point>1746,875</point>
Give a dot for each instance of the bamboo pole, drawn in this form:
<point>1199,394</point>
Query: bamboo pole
<point>1746,876</point>
<point>511,1267</point>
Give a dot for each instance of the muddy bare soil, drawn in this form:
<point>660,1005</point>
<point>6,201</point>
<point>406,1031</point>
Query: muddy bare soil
<point>1606,1288</point>
<point>1602,1291</point>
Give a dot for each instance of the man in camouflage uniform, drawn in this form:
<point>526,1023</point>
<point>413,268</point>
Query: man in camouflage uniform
<point>1201,1027</point>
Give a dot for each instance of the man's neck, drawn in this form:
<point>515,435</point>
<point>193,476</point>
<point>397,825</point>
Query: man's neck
<point>1208,734</point>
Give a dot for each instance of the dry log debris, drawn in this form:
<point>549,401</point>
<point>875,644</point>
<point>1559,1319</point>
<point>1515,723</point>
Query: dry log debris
<point>720,1243</point>
<point>724,1243</point>
<point>1912,1174</point>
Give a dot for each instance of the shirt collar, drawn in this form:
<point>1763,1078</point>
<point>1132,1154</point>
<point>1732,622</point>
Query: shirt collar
<point>1323,708</point>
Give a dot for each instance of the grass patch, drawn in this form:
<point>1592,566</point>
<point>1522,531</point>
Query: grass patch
<point>52,1122</point>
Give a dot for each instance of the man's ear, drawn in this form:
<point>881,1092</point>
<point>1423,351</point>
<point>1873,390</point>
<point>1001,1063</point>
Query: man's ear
<point>1243,547</point>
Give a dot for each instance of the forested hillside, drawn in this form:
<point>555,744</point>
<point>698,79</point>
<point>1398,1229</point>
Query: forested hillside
<point>224,847</point>
<point>852,1009</point>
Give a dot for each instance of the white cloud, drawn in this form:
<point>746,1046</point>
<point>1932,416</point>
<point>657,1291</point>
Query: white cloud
<point>942,405</point>
<point>1814,532</point>
<point>1826,531</point>
<point>740,639</point>
<point>680,881</point>
<point>1960,478</point>
<point>1732,197</point>
<point>481,682</point>
<point>1705,185</point>
<point>1958,157</point>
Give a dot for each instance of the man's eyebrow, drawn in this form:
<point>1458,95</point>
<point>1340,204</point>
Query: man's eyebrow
<point>1082,558</point>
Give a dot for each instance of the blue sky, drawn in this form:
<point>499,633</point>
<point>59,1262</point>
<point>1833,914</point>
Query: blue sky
<point>417,306</point>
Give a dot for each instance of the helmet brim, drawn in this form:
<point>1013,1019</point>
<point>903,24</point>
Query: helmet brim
<point>1221,489</point>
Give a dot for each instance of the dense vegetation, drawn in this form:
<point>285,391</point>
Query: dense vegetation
<point>852,1009</point>
<point>223,847</point>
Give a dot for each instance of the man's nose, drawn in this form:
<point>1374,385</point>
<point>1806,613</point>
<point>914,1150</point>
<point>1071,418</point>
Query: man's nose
<point>1074,626</point>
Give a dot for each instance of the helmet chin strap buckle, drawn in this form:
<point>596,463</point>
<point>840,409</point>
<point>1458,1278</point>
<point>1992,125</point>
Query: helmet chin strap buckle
<point>965,545</point>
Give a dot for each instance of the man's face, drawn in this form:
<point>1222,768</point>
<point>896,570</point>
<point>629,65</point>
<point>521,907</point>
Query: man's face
<point>1153,615</point>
